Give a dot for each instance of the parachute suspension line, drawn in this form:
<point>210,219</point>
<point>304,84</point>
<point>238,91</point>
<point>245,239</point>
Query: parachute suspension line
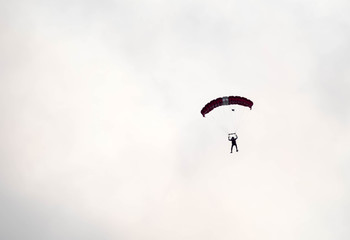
<point>236,119</point>
<point>217,122</point>
<point>222,121</point>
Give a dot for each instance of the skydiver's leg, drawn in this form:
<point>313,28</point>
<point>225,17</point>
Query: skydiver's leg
<point>236,148</point>
<point>231,148</point>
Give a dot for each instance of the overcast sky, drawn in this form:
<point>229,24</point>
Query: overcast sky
<point>102,136</point>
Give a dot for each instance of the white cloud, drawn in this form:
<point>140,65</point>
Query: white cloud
<point>101,114</point>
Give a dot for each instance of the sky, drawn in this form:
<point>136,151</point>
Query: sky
<point>102,136</point>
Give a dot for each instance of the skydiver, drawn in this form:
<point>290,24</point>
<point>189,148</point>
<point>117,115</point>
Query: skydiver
<point>233,140</point>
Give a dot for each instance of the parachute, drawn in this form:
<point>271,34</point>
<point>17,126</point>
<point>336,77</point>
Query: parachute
<point>226,101</point>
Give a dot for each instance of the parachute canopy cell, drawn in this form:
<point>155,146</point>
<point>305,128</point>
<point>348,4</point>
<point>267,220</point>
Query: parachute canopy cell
<point>226,101</point>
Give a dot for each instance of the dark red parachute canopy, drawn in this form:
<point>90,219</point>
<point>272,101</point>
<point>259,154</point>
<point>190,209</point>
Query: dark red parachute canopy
<point>226,101</point>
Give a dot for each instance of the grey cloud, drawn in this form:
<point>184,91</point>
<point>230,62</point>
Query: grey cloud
<point>22,217</point>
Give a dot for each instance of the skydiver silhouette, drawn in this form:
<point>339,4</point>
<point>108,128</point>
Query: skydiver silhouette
<point>233,140</point>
